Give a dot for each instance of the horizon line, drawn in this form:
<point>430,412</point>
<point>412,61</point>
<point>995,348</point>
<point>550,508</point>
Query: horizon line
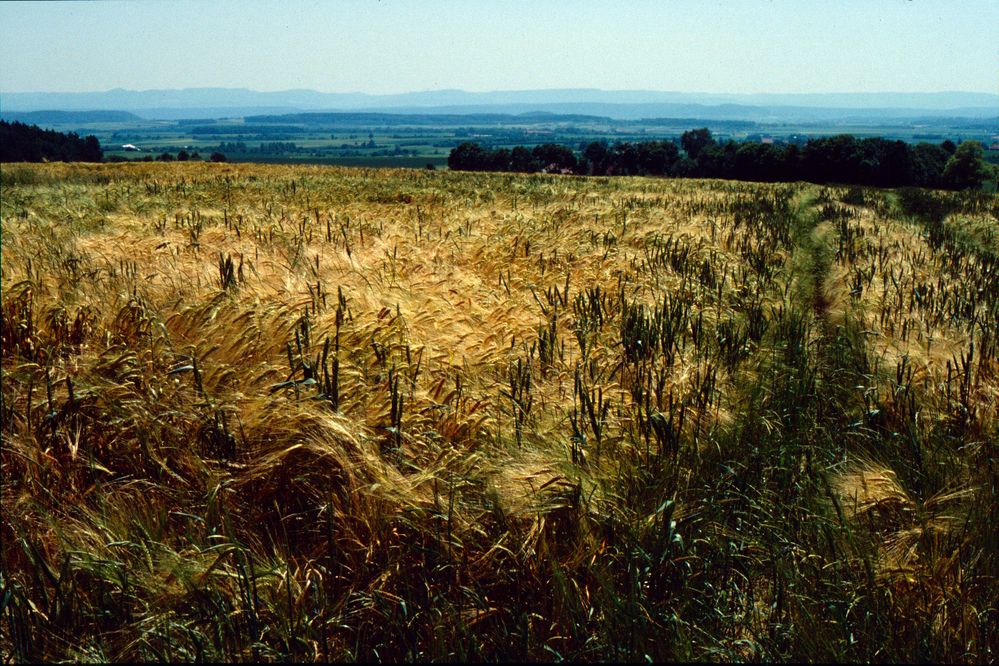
<point>511,90</point>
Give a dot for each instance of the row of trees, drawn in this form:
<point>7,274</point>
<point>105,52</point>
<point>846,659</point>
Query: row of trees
<point>30,143</point>
<point>182,156</point>
<point>837,159</point>
<point>268,148</point>
<point>547,157</point>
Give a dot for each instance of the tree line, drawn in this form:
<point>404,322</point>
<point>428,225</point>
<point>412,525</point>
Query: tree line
<point>29,143</point>
<point>837,159</point>
<point>182,156</point>
<point>270,148</point>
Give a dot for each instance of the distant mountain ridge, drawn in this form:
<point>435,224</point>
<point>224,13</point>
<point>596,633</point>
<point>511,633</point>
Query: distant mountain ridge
<point>623,104</point>
<point>64,117</point>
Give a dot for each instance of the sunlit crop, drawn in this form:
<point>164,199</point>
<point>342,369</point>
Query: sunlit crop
<point>323,414</point>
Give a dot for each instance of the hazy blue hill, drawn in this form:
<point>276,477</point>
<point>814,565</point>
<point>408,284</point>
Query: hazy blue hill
<point>625,104</point>
<point>68,117</point>
<point>935,100</point>
<point>731,112</point>
<point>211,112</point>
<point>930,101</point>
<point>423,117</point>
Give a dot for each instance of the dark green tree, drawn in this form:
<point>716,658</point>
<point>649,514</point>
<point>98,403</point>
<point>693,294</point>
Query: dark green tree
<point>694,141</point>
<point>468,156</point>
<point>522,160</point>
<point>499,160</point>
<point>553,157</point>
<point>966,168</point>
<point>714,161</point>
<point>656,158</point>
<point>624,159</point>
<point>834,159</point>
<point>684,168</point>
<point>598,157</point>
<point>91,150</point>
<point>758,161</point>
<point>790,163</point>
<point>928,162</point>
<point>886,163</point>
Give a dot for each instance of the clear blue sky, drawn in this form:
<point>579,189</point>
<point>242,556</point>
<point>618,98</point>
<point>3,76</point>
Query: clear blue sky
<point>392,46</point>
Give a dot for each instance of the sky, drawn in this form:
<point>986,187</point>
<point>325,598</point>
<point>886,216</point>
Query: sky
<point>396,46</point>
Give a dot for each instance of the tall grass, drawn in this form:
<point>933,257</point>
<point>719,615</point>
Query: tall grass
<point>274,412</point>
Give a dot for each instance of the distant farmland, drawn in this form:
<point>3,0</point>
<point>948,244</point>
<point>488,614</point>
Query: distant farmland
<point>390,139</point>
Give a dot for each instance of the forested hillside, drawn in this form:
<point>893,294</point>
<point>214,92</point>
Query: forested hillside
<point>29,143</point>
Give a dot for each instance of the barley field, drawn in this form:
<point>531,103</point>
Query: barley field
<point>256,412</point>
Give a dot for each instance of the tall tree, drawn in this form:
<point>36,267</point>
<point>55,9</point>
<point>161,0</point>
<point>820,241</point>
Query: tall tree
<point>598,156</point>
<point>966,167</point>
<point>625,159</point>
<point>656,158</point>
<point>694,141</point>
<point>928,163</point>
<point>499,160</point>
<point>554,157</point>
<point>468,156</point>
<point>522,160</point>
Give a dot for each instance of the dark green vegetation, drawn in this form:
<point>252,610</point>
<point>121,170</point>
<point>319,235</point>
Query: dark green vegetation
<point>29,143</point>
<point>290,414</point>
<point>840,159</point>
